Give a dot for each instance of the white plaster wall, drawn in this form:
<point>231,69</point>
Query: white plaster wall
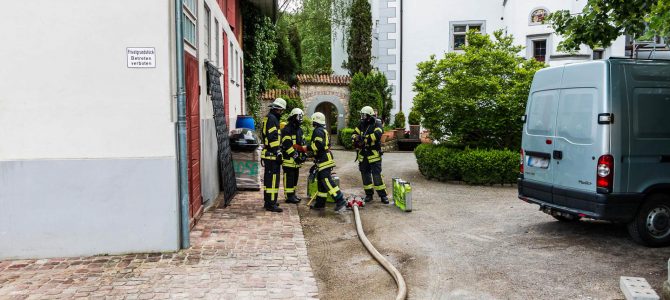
<point>65,88</point>
<point>427,31</point>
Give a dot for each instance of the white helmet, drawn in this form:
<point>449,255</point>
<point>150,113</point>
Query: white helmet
<point>279,103</point>
<point>319,118</point>
<point>296,112</point>
<point>367,110</point>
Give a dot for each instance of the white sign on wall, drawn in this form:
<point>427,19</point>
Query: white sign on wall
<point>141,57</point>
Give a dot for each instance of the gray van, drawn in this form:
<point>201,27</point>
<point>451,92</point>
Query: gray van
<point>596,144</point>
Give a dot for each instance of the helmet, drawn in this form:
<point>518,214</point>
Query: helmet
<point>319,118</point>
<point>296,112</point>
<point>366,111</point>
<point>279,103</point>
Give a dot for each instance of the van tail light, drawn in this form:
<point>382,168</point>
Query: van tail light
<point>605,174</point>
<point>521,159</point>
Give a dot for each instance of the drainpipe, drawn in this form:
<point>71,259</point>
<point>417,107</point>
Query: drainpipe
<point>182,163</point>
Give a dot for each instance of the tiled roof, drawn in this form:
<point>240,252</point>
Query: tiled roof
<point>273,94</point>
<point>324,79</point>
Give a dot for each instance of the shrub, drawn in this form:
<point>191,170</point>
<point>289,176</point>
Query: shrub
<point>399,120</point>
<point>443,162</point>
<point>345,138</point>
<point>307,129</point>
<point>414,118</point>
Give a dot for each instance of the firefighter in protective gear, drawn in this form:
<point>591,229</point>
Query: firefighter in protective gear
<point>367,140</point>
<point>323,158</point>
<point>272,154</point>
<point>293,153</point>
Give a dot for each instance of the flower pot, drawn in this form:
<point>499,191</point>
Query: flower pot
<point>400,133</point>
<point>387,136</point>
<point>414,131</point>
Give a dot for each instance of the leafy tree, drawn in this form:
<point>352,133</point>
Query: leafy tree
<point>603,21</point>
<point>359,42</point>
<point>295,40</point>
<point>285,63</point>
<point>476,98</point>
<point>259,50</point>
<point>366,90</point>
<point>314,28</point>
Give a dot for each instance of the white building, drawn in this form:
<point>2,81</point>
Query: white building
<point>408,32</point>
<point>88,111</point>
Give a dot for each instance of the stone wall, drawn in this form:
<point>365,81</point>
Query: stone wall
<point>312,95</point>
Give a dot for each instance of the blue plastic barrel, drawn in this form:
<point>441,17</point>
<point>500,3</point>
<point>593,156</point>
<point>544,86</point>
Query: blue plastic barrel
<point>244,121</point>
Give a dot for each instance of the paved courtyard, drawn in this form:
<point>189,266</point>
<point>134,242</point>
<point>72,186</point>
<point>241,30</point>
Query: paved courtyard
<point>238,252</point>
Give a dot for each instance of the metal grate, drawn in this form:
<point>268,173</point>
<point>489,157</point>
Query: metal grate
<point>226,170</point>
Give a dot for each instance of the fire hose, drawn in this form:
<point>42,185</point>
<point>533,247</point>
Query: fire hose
<point>400,281</point>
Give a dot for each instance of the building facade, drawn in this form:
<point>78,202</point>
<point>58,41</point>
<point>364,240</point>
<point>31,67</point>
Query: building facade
<point>406,33</point>
<point>88,111</point>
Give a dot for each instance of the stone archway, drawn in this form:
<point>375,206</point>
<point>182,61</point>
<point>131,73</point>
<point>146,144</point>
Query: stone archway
<point>317,90</point>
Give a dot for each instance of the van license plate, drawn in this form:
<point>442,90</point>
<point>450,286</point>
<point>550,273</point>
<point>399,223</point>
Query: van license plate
<point>538,162</point>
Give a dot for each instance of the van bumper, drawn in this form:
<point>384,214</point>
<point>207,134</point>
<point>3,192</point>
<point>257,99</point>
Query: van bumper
<point>611,207</point>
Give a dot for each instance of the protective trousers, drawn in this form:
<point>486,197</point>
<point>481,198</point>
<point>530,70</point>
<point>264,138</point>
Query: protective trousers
<point>372,178</point>
<point>327,186</point>
<point>271,182</point>
<point>291,176</point>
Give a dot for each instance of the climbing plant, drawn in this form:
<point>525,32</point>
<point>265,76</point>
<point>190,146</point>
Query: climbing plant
<point>260,49</point>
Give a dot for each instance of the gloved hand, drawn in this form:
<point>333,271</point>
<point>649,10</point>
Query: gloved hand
<point>279,155</point>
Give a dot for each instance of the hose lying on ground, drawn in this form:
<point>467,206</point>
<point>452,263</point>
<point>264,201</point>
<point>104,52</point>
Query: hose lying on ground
<point>402,288</point>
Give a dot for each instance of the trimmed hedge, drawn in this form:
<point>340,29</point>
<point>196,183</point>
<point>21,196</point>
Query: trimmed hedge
<point>344,137</point>
<point>473,166</point>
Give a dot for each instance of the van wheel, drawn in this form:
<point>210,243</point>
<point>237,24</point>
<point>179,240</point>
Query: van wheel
<point>651,226</point>
<point>566,219</point>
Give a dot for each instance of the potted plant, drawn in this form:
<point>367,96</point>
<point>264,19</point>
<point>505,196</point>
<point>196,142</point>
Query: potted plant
<point>414,124</point>
<point>399,123</point>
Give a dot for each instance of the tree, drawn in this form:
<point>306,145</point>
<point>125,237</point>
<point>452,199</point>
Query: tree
<point>285,64</point>
<point>314,27</point>
<point>478,97</point>
<point>366,90</point>
<point>359,42</point>
<point>603,21</point>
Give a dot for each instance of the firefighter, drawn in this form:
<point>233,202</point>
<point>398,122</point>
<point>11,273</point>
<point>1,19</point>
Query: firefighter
<point>272,155</point>
<point>323,158</point>
<point>367,140</point>
<point>292,144</point>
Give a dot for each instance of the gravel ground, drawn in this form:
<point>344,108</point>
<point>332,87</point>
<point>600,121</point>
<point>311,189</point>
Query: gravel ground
<point>465,242</point>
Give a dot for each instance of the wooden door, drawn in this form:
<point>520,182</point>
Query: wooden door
<point>193,136</point>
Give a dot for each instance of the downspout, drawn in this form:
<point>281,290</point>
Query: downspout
<point>401,54</point>
<point>182,163</point>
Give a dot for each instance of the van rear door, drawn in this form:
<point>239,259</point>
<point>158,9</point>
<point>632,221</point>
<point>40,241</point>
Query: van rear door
<point>580,140</point>
<point>649,103</point>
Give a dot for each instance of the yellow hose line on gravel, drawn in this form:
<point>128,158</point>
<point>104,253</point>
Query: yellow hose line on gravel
<point>402,287</point>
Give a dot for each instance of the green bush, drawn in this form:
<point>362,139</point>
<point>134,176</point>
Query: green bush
<point>414,118</point>
<point>475,167</point>
<point>345,138</point>
<point>307,129</point>
<point>399,120</point>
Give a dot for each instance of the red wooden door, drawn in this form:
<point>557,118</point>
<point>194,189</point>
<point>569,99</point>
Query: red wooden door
<point>193,135</point>
<point>226,81</point>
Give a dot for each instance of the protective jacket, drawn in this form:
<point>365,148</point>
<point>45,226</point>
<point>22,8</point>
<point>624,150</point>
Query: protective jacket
<point>292,135</point>
<point>369,134</point>
<point>271,137</point>
<point>321,148</point>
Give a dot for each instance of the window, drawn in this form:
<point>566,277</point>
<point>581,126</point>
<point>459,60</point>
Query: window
<point>576,115</point>
<point>216,41</point>
<point>540,50</point>
<point>650,113</point>
<point>188,22</point>
<point>598,54</point>
<point>542,113</point>
<point>208,32</point>
<point>231,66</point>
<point>459,33</point>
<point>237,66</point>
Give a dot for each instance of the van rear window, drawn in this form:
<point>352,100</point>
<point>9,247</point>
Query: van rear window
<point>576,113</point>
<point>542,113</point>
<point>650,116</point>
